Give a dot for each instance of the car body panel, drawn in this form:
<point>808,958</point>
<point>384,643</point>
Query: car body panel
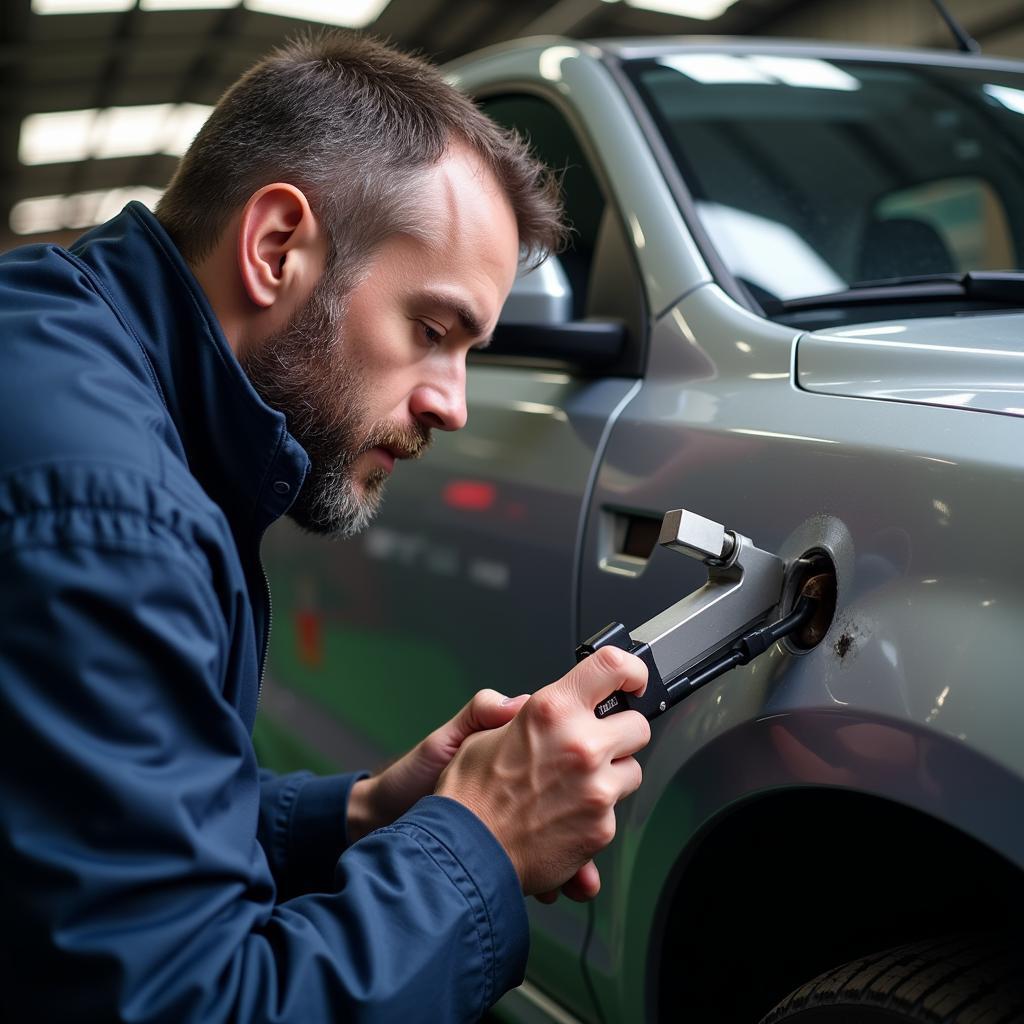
<point>777,753</point>
<point>792,487</point>
<point>727,434</point>
<point>972,362</point>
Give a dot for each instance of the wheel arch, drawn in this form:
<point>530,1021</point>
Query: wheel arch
<point>769,900</point>
<point>852,831</point>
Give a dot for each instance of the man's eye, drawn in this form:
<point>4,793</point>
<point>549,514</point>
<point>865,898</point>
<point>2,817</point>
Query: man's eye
<point>430,334</point>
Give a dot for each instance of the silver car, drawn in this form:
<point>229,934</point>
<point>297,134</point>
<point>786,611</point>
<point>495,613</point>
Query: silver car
<point>792,304</point>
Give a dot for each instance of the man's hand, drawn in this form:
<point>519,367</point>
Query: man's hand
<point>384,797</point>
<point>546,784</point>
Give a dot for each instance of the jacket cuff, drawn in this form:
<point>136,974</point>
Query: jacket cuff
<point>483,872</point>
<point>317,830</point>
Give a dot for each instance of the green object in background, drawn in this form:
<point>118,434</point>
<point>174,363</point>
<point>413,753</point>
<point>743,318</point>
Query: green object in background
<point>384,686</point>
<point>283,751</point>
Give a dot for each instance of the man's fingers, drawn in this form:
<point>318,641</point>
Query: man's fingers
<point>487,710</point>
<point>628,774</point>
<point>604,672</point>
<point>585,884</point>
<point>626,733</point>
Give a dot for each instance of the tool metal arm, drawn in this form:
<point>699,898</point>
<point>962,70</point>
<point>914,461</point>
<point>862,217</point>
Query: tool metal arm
<point>680,645</point>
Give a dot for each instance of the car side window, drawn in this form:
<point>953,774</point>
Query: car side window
<point>553,141</point>
<point>599,260</point>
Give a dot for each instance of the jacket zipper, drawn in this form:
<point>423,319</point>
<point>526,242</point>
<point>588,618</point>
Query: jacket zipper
<point>266,636</point>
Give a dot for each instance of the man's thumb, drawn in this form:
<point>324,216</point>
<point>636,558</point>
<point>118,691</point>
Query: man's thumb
<point>488,710</point>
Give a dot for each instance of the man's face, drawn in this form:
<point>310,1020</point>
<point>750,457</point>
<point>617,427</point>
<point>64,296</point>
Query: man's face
<point>364,378</point>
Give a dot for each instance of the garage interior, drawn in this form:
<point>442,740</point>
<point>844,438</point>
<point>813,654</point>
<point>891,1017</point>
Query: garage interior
<point>99,100</point>
<point>100,97</point>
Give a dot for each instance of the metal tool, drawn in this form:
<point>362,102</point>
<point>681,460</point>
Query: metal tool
<point>714,629</point>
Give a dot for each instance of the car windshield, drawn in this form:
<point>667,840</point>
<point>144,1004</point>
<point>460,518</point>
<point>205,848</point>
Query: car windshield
<point>813,176</point>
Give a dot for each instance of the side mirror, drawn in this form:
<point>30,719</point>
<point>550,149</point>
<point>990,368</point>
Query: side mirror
<point>536,325</point>
<point>539,296</point>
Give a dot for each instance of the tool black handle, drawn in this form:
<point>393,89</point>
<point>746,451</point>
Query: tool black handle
<point>654,699</point>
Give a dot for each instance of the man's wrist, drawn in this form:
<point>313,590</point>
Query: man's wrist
<point>485,813</point>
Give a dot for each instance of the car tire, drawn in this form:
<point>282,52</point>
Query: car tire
<point>955,980</point>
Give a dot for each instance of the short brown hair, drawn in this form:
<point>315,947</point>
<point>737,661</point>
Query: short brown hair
<point>352,122</point>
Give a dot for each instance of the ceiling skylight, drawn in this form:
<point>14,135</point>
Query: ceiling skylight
<point>705,10</point>
<point>350,13</point>
<point>71,135</point>
<point>186,5</point>
<point>74,212</point>
<point>80,6</point>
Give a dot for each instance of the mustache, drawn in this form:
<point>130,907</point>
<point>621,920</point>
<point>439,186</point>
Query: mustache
<point>404,442</point>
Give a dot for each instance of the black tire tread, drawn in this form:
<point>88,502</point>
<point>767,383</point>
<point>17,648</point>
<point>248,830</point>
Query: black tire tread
<point>950,980</point>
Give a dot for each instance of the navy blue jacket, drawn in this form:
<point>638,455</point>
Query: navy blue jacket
<point>147,871</point>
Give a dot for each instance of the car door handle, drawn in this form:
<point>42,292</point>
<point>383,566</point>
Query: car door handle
<point>626,541</point>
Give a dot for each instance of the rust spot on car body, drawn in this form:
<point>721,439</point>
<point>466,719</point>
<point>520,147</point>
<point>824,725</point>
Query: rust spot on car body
<point>843,645</point>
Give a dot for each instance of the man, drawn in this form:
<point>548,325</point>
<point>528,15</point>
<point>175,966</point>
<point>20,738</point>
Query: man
<point>293,321</point>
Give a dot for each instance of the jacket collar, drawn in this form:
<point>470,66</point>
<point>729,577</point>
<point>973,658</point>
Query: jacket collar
<point>236,445</point>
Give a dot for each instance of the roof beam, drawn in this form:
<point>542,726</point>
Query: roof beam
<point>564,18</point>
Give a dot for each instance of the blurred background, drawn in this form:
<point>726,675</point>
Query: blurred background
<point>98,98</point>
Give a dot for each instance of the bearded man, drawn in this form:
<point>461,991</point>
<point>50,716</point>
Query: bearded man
<point>293,321</point>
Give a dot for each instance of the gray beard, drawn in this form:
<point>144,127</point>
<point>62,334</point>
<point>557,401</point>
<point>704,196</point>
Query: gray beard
<point>302,371</point>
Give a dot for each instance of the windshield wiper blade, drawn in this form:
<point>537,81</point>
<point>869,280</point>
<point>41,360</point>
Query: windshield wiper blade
<point>1000,288</point>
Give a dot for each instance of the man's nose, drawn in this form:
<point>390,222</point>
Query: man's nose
<point>441,403</point>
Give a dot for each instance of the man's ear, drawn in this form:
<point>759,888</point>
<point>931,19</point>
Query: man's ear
<point>281,247</point>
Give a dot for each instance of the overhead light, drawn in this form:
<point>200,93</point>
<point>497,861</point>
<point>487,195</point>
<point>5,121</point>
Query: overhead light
<point>80,6</point>
<point>73,212</point>
<point>69,135</point>
<point>57,137</point>
<point>186,5</point>
<point>351,13</point>
<point>705,10</point>
<point>183,125</point>
<point>1012,99</point>
<point>128,131</point>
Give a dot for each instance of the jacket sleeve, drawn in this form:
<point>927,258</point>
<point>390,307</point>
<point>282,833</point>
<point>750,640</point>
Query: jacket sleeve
<point>134,887</point>
<point>302,828</point>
